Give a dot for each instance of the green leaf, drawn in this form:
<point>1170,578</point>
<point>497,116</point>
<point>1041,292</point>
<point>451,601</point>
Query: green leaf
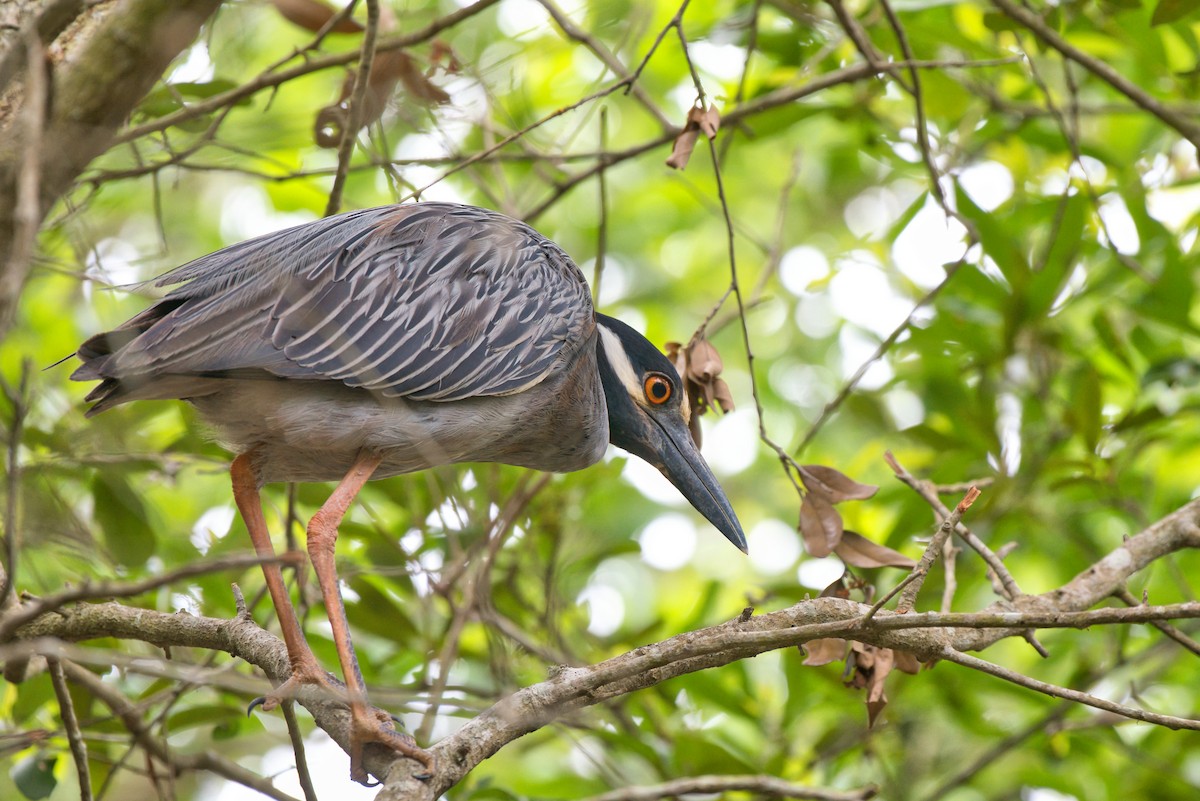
<point>1070,217</point>
<point>34,776</point>
<point>123,519</point>
<point>1172,10</point>
<point>1086,402</point>
<point>168,98</point>
<point>1000,241</point>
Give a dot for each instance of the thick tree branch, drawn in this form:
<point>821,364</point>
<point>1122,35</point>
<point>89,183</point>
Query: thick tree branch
<point>928,636</point>
<point>92,96</point>
<point>1176,531</point>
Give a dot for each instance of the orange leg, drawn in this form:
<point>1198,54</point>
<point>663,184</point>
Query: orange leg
<point>305,668</point>
<point>367,725</point>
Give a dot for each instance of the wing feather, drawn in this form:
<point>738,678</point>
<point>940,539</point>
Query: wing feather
<point>431,301</point>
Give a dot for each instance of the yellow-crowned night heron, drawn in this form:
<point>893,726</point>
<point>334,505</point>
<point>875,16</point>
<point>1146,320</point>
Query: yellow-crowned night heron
<point>390,340</point>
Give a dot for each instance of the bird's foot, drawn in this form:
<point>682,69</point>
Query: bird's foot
<point>367,724</point>
<point>305,671</point>
<point>370,725</point>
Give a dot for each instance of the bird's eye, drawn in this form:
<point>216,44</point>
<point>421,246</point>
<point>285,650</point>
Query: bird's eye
<point>658,388</point>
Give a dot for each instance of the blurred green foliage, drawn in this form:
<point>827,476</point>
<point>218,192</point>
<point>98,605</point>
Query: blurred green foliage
<point>1060,361</point>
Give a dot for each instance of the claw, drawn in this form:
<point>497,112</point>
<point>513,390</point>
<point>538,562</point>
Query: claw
<point>379,727</point>
<point>259,701</point>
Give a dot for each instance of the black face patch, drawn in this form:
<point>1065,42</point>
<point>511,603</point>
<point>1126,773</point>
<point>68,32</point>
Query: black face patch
<point>629,423</point>
<point>644,357</point>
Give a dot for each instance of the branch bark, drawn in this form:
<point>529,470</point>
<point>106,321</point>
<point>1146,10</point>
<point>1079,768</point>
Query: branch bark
<point>93,93</point>
<point>928,636</point>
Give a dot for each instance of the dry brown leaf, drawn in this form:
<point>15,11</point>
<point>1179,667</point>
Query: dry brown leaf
<point>857,551</point>
<point>823,651</point>
<point>868,667</point>
<point>907,662</point>
<point>837,589</point>
<point>700,366</point>
<point>312,15</point>
<point>440,54</point>
<point>699,121</point>
<point>835,485</point>
<point>709,121</point>
<point>871,668</point>
<point>401,66</point>
<point>820,525</point>
<point>386,70</point>
<point>681,150</point>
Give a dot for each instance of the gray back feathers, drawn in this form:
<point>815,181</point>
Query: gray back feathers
<point>429,301</point>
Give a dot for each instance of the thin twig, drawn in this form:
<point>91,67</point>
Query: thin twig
<point>758,785</point>
<point>602,231</point>
<point>889,595</point>
<point>66,710</point>
<point>675,21</point>
<point>297,739</point>
<point>1055,691</point>
<point>609,60</point>
<point>158,749</point>
<point>950,582</point>
<point>1187,128</point>
<point>1166,628</point>
<point>922,126</point>
<point>879,353</point>
<point>18,401</point>
<point>929,493</point>
<point>355,112</point>
<point>909,596</point>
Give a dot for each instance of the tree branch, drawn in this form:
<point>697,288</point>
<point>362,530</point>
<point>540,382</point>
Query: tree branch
<point>93,95</point>
<point>1188,129</point>
<point>760,785</point>
<point>928,636</point>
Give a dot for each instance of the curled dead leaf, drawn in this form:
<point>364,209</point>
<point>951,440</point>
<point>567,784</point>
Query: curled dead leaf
<point>699,121</point>
<point>416,83</point>
<point>857,551</point>
<point>908,663</point>
<point>820,525</point>
<point>387,69</point>
<point>837,589</point>
<point>441,55</point>
<point>313,15</point>
<point>835,485</point>
<point>823,651</point>
<point>699,365</point>
<point>871,668</point>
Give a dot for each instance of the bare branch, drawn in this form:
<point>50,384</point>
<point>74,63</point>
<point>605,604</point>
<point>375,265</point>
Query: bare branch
<point>762,785</point>
<point>66,709</point>
<point>1184,126</point>
<point>1054,691</point>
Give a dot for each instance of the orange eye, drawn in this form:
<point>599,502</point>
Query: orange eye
<point>658,389</point>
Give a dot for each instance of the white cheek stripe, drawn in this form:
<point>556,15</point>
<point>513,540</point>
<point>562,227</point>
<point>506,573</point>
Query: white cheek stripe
<point>619,361</point>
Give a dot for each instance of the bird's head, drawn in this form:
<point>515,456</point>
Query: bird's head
<point>648,416</point>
